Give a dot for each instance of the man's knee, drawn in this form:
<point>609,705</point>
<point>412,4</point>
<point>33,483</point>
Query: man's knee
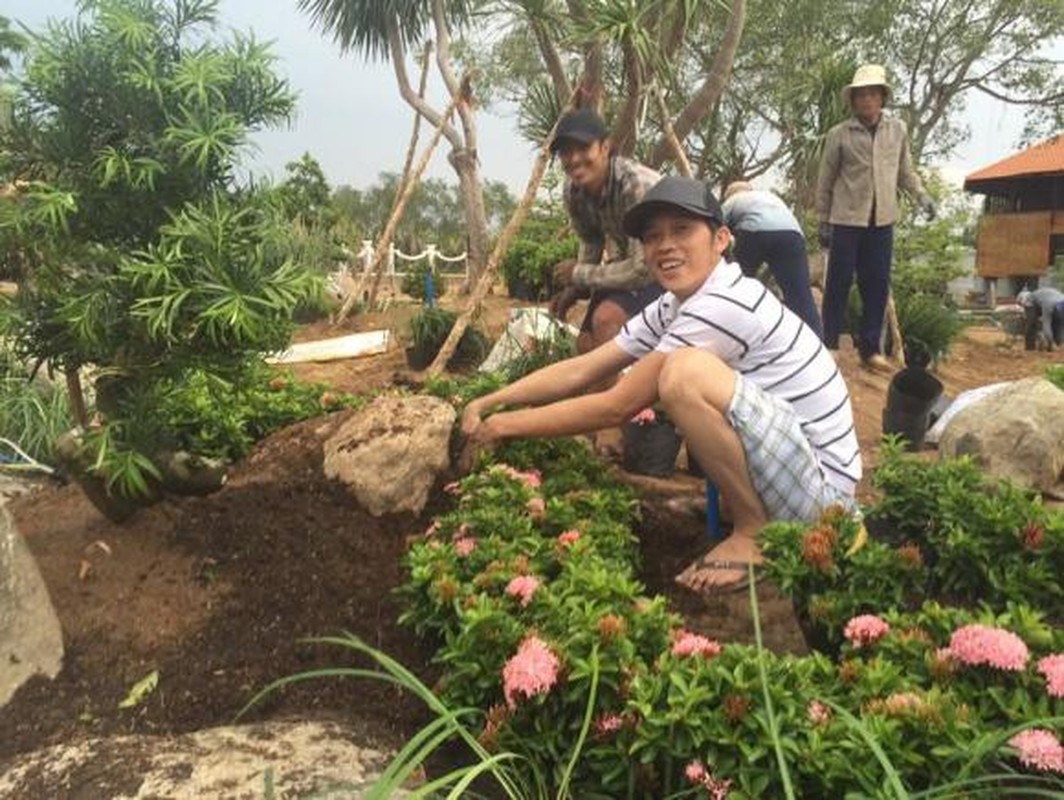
<point>691,376</point>
<point>607,320</point>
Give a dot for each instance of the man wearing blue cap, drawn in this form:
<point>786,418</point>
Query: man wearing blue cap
<point>758,397</point>
<point>609,268</point>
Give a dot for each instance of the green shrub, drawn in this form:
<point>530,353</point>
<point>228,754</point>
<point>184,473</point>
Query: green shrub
<point>943,532</point>
<point>429,329</point>
<point>530,260</point>
<point>929,324</point>
<point>33,412</point>
<point>1055,375</point>
<point>222,418</point>
<point>414,281</point>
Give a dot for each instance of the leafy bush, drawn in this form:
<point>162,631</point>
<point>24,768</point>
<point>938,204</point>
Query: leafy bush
<point>429,329</point>
<point>527,587</point>
<point>929,324</point>
<point>414,281</point>
<point>944,532</point>
<point>33,412</point>
<point>207,415</point>
<point>531,257</point>
<point>1055,375</point>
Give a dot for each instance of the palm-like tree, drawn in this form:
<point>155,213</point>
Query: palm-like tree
<point>386,29</point>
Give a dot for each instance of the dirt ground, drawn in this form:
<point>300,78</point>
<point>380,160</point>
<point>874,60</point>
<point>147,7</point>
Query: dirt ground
<point>216,592</point>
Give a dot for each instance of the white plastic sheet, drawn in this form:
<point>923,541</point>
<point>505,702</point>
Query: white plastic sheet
<point>964,399</point>
<point>525,326</point>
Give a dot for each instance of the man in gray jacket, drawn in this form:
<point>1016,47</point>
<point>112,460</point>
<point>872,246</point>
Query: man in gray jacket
<point>1045,304</point>
<point>600,188</point>
<point>866,160</point>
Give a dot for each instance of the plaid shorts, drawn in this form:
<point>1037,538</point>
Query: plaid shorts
<point>783,468</point>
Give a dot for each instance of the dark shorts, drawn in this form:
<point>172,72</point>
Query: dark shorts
<point>632,301</point>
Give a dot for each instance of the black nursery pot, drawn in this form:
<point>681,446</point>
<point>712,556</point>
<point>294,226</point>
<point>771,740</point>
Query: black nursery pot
<point>651,449</point>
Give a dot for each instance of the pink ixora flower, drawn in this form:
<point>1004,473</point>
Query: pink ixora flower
<point>569,538</point>
<point>532,478</point>
<point>536,507</point>
<point>1039,749</point>
<point>533,670</point>
<point>692,644</point>
<point>607,724</point>
<point>645,417</point>
<point>523,587</point>
<point>819,714</point>
<point>865,629</point>
<point>981,645</point>
<point>697,773</point>
<point>465,545</point>
<point>1052,669</point>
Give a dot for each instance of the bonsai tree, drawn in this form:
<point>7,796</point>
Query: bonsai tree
<point>141,254</point>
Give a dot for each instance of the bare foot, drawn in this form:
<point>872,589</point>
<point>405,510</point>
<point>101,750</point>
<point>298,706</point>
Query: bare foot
<point>723,567</point>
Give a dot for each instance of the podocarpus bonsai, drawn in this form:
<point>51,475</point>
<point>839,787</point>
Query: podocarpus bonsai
<point>142,256</point>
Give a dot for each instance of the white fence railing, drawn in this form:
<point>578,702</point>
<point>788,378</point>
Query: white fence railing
<point>438,262</point>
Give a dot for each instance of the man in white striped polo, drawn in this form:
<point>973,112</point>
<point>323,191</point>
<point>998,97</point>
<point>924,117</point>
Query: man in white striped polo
<point>758,397</point>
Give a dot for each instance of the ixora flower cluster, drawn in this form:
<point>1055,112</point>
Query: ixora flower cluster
<point>542,624</point>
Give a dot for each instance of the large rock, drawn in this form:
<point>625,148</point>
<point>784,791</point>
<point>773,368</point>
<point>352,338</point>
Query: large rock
<point>391,452</point>
<point>298,759</point>
<point>1015,433</point>
<point>31,640</point>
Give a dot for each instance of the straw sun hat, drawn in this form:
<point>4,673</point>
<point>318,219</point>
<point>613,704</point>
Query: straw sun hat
<point>867,75</point>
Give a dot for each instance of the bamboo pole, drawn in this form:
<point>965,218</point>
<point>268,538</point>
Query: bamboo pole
<point>895,332</point>
<point>487,277</point>
<point>385,241</point>
<point>670,135</point>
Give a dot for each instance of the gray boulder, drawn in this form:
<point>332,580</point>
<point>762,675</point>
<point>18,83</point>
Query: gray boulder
<point>296,759</point>
<point>31,640</point>
<point>1016,433</point>
<point>391,452</point>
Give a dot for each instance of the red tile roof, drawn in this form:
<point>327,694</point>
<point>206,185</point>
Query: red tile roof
<point>1045,157</point>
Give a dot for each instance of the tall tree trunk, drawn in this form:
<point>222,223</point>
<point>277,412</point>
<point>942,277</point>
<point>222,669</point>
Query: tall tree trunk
<point>465,159</point>
<point>487,277</point>
<point>77,397</point>
<point>478,240</point>
<point>624,132</point>
<point>683,165</point>
<point>709,93</point>
<point>589,91</point>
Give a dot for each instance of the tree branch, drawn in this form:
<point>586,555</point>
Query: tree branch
<point>408,94</point>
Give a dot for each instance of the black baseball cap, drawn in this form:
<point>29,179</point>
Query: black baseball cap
<point>673,193</point>
<point>582,125</point>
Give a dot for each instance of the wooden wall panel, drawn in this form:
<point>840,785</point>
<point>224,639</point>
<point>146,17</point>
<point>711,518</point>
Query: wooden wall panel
<point>1013,244</point>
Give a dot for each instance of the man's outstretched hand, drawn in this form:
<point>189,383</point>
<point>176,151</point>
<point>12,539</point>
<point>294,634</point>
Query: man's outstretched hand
<point>563,272</point>
<point>563,301</point>
<point>476,437</point>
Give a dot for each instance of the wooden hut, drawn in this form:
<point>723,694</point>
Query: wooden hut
<point>1021,230</point>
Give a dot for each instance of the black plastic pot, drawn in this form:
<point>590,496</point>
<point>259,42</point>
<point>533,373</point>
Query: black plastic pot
<point>912,394</point>
<point>651,449</point>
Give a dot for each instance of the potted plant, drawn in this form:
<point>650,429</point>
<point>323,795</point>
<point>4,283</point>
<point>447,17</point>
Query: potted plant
<point>651,444</point>
<point>429,330</point>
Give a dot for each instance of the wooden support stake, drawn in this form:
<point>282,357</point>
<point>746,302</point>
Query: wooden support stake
<point>895,332</point>
<point>376,268</point>
<point>487,277</point>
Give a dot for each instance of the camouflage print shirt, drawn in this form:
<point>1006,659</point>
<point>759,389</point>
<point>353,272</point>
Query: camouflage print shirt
<point>608,259</point>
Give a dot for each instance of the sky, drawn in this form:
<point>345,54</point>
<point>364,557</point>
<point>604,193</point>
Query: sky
<point>351,118</point>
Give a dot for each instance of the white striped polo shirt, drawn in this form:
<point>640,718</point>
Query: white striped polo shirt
<point>740,321</point>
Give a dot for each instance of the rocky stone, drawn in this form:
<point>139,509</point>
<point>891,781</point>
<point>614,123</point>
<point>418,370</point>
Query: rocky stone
<point>31,640</point>
<point>391,452</point>
<point>1016,433</point>
<point>274,759</point>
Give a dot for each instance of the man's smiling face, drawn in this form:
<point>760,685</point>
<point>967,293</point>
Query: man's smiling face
<point>682,250</point>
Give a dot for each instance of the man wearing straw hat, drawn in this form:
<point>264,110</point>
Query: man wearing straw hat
<point>866,159</point>
<point>600,188</point>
